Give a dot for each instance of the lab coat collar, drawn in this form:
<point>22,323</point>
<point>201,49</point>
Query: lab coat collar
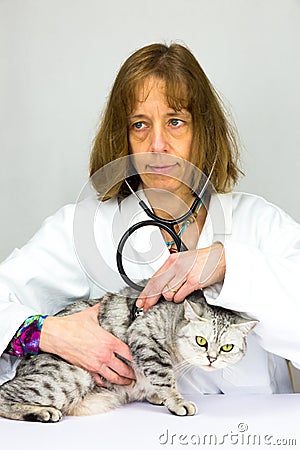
<point>219,211</point>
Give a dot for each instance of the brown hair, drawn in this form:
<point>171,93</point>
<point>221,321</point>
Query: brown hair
<point>186,86</point>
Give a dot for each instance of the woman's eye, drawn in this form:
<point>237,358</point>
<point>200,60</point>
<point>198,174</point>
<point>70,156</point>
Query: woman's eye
<point>227,348</point>
<point>201,341</point>
<point>176,122</point>
<point>138,126</point>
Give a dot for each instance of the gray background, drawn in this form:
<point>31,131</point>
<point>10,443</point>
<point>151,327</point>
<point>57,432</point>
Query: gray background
<point>58,61</point>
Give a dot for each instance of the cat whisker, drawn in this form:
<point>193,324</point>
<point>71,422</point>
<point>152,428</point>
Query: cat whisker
<point>182,368</point>
<point>192,361</point>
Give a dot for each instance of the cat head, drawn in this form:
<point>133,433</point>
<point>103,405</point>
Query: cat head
<point>212,337</point>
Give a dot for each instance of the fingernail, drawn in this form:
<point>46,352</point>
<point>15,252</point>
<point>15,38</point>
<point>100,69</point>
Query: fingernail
<point>139,303</point>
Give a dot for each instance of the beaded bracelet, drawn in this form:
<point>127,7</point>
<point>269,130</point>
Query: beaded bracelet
<point>27,338</point>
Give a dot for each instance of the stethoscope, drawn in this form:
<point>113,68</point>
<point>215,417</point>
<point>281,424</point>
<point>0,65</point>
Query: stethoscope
<point>165,224</point>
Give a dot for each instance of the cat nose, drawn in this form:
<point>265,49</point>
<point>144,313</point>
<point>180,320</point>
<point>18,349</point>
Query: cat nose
<point>211,359</point>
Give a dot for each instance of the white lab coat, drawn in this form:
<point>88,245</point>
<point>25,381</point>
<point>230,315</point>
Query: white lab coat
<point>73,256</point>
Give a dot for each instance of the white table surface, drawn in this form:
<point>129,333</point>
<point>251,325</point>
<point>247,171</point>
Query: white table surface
<point>223,421</point>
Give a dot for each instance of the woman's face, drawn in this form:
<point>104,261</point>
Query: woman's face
<point>162,137</point>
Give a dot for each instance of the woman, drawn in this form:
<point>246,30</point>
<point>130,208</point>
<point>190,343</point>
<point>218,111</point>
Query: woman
<point>243,251</point>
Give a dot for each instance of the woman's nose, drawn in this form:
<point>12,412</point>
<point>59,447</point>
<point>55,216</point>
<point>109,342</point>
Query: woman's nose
<point>159,142</point>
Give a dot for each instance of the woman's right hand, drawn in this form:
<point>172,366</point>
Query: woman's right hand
<point>80,340</point>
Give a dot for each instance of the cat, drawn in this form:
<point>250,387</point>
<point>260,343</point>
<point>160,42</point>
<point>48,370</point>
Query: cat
<point>168,336</point>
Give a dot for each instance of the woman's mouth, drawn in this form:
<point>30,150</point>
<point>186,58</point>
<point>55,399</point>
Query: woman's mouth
<point>163,169</point>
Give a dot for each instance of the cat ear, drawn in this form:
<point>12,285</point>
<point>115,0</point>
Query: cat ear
<point>245,326</point>
<point>193,311</point>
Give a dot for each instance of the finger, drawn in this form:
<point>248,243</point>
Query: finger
<point>159,279</point>
<point>167,287</point>
<point>96,307</point>
<point>151,300</point>
<point>152,291</point>
<point>169,291</point>
<point>141,301</point>
<point>98,379</point>
<point>187,288</point>
<point>176,293</point>
<point>148,302</point>
<point>123,350</point>
<point>121,368</point>
<point>114,377</point>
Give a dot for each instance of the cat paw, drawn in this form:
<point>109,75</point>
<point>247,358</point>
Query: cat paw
<point>183,408</point>
<point>43,414</point>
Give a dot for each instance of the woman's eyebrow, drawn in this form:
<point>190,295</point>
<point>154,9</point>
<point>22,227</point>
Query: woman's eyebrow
<point>137,116</point>
<point>181,113</point>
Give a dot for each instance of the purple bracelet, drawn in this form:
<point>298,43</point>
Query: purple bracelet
<point>27,338</point>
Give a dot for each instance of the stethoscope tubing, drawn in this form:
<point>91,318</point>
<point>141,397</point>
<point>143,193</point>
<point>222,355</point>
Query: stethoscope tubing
<point>178,242</point>
<point>165,224</point>
<point>168,222</point>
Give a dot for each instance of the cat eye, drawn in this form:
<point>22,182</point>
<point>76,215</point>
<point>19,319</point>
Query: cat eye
<point>201,341</point>
<point>227,348</point>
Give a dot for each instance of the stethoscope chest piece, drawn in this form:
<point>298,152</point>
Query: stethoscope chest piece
<point>136,312</point>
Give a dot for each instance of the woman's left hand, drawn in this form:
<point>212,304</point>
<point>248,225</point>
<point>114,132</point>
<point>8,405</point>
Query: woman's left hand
<point>183,273</point>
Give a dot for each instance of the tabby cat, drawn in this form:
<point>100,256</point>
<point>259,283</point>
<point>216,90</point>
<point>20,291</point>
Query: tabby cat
<point>166,337</point>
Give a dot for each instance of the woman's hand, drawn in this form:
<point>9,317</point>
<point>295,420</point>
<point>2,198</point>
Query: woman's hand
<point>184,273</point>
<point>80,340</point>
